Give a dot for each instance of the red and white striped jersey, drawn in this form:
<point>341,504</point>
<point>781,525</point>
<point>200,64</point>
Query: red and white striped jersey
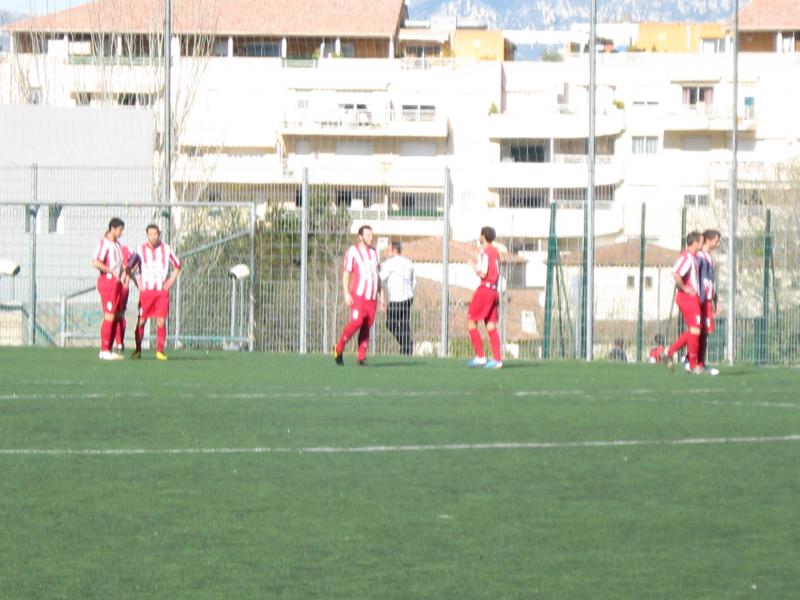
<point>686,268</point>
<point>154,265</point>
<point>363,263</point>
<point>489,263</point>
<point>110,254</point>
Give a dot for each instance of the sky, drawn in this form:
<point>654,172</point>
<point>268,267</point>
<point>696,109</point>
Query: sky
<point>38,6</point>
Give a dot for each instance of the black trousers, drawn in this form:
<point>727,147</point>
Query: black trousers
<point>398,316</point>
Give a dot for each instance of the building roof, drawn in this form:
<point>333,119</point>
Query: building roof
<point>289,18</point>
<point>625,254</point>
<point>770,15</point>
<point>429,250</point>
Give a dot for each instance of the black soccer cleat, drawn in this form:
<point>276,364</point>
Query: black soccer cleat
<point>362,363</point>
<point>337,357</point>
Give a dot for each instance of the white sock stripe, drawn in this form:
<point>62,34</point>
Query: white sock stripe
<point>399,448</point>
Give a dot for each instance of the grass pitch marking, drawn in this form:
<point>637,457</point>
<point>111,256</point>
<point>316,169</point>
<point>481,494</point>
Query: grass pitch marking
<point>399,448</point>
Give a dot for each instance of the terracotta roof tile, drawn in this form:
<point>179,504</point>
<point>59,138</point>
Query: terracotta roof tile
<point>429,250</point>
<point>625,254</point>
<point>770,15</point>
<point>291,18</point>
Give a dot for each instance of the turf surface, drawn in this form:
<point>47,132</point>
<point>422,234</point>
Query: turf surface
<point>227,475</point>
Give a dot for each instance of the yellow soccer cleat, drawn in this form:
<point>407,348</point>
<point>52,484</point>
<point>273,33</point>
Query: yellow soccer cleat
<point>161,356</point>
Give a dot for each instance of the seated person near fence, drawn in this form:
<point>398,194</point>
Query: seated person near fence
<point>657,352</point>
<point>617,353</point>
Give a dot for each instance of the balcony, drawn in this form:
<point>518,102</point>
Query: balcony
<point>704,117</point>
<point>562,121</point>
<point>363,123</point>
<point>563,171</point>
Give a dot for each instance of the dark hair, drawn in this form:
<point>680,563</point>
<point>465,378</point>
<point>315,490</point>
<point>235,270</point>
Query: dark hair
<point>711,234</point>
<point>619,342</point>
<point>115,222</point>
<point>659,339</point>
<point>488,233</point>
<point>397,246</point>
<point>152,226</point>
<point>693,237</point>
<point>363,228</point>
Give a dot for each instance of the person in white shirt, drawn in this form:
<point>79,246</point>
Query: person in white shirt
<point>399,283</point>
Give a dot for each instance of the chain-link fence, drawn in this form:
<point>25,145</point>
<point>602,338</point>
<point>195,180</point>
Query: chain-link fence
<point>293,236</point>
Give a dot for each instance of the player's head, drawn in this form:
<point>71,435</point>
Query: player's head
<point>397,248</point>
<point>115,227</point>
<point>711,239</point>
<point>694,240</point>
<point>153,234</point>
<point>365,234</point>
<point>659,339</point>
<point>488,234</point>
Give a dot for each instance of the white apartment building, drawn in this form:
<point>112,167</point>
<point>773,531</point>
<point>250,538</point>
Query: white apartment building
<point>345,97</point>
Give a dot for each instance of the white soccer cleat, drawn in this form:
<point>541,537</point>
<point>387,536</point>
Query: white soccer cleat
<point>107,355</point>
<point>711,371</point>
<point>477,362</point>
<point>493,364</point>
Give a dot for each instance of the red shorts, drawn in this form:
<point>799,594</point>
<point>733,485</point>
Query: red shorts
<point>125,291</point>
<point>110,290</point>
<point>690,309</point>
<point>153,304</point>
<point>484,305</point>
<point>707,311</point>
<point>363,311</point>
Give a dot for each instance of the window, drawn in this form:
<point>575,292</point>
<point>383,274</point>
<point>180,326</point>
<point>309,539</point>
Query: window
<point>631,282</point>
<point>694,95</point>
<point>55,223</point>
<point>83,99</point>
<point>644,145</point>
<point>344,198</point>
<point>34,95</point>
<point>417,112</point>
<point>525,151</point>
<point>695,199</point>
<point>524,198</point>
<point>354,148</point>
<point>648,282</point>
<point>258,48</point>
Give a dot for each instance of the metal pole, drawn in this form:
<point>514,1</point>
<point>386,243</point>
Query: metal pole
<point>732,193</point>
<point>584,321</point>
<point>765,302</point>
<point>640,325</point>
<point>552,248</point>
<point>233,310</point>
<point>167,113</point>
<point>251,340</point>
<point>304,262</point>
<point>445,298</point>
<point>33,209</point>
<point>590,191</point>
<point>177,312</point>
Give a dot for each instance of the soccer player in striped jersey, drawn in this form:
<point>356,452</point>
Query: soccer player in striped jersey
<point>485,303</point>
<point>360,286</point>
<point>154,281</point>
<point>125,281</point>
<point>708,293</point>
<point>688,300</point>
<point>108,260</point>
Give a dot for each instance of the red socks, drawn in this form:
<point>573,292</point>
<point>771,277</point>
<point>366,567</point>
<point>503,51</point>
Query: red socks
<point>161,337</point>
<point>494,342</point>
<point>475,338</point>
<point>121,325</point>
<point>106,335</point>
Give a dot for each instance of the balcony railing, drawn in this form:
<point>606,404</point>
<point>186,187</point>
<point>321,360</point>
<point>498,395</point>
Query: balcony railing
<point>357,119</point>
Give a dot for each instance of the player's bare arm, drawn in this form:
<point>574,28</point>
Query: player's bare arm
<point>172,278</point>
<point>101,266</point>
<point>686,289</point>
<point>348,299</point>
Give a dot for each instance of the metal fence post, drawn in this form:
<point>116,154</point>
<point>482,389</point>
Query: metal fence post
<point>252,279</point>
<point>640,324</point>
<point>445,298</point>
<point>33,209</point>
<point>552,249</point>
<point>764,341</point>
<point>304,263</point>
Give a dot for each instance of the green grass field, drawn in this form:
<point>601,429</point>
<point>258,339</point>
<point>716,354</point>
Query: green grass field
<point>226,475</point>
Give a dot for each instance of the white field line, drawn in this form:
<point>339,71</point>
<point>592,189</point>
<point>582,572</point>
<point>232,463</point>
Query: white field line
<point>402,448</point>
